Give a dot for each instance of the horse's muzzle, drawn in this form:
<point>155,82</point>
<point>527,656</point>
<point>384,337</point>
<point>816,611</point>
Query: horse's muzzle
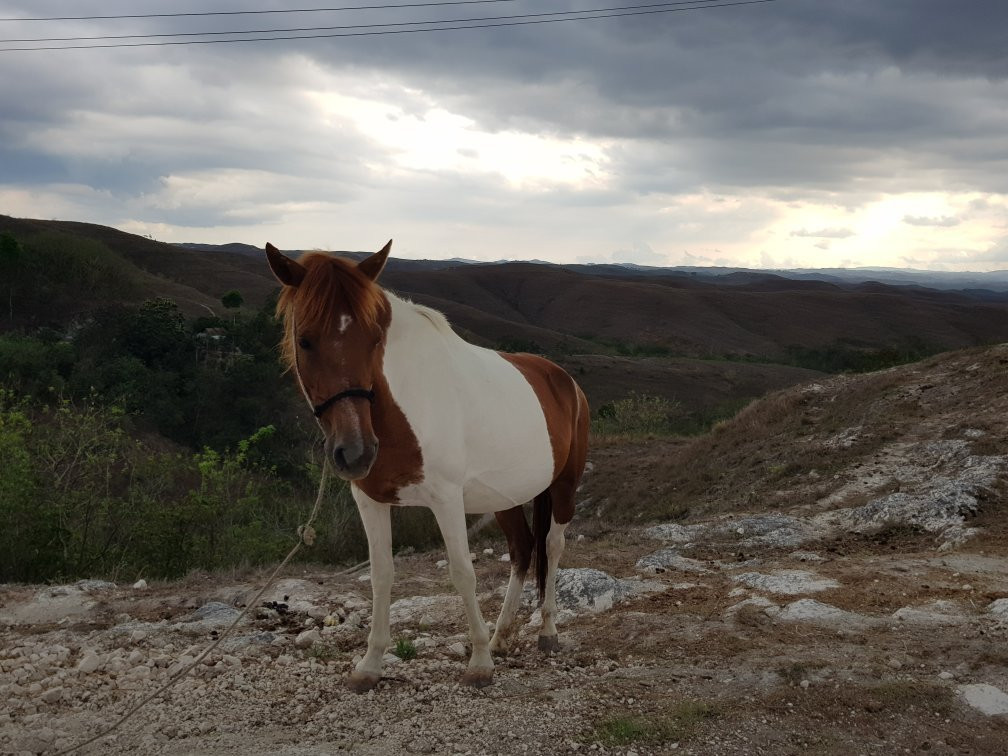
<point>351,461</point>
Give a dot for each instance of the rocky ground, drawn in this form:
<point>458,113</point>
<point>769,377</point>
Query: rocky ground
<point>859,604</point>
<point>855,645</point>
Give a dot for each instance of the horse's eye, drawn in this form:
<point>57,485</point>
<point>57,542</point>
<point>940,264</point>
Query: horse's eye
<point>304,343</point>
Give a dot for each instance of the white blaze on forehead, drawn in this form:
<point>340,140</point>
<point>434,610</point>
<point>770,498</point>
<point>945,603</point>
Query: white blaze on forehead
<point>344,322</point>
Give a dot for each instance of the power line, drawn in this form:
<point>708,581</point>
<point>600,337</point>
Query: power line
<point>261,12</point>
<point>382,32</point>
<point>358,26</point>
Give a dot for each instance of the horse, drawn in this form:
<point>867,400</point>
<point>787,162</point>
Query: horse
<point>413,415</point>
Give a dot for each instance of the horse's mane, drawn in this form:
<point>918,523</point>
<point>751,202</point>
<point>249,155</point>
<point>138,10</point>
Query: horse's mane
<point>331,286</point>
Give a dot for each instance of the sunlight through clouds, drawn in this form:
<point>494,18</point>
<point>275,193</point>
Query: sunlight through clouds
<point>440,141</point>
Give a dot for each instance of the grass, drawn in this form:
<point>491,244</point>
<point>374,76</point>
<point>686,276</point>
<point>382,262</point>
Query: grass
<point>405,649</point>
<point>325,651</point>
<point>678,724</point>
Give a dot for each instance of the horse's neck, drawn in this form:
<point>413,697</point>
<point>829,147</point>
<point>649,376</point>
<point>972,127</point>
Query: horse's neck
<point>421,353</point>
<point>415,328</point>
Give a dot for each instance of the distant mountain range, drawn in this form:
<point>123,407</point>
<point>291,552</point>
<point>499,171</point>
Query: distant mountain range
<point>990,286</point>
<point>592,309</point>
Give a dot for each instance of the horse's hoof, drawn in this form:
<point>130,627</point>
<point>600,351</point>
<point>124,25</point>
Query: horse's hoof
<point>478,677</point>
<point>362,682</point>
<point>499,649</point>
<point>549,644</point>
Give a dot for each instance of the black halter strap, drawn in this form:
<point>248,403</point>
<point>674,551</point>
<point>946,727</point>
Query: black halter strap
<point>352,393</point>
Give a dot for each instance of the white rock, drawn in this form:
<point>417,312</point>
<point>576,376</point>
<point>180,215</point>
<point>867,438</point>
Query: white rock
<point>307,638</point>
<point>505,558</point>
<point>89,663</point>
<point>215,614</point>
<point>487,552</point>
<point>817,613</point>
<point>426,610</point>
<point>999,608</point>
<point>985,698</point>
<point>458,648</point>
<point>787,582</point>
<point>140,584</point>
<point>944,613</point>
<point>53,695</point>
<point>365,578</point>
<point>667,559</point>
<point>441,564</point>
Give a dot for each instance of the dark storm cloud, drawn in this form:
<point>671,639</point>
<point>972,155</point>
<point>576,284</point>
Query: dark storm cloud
<point>777,94</point>
<point>838,99</point>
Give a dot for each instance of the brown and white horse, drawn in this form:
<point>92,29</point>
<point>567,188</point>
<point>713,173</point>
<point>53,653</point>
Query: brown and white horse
<point>415,416</point>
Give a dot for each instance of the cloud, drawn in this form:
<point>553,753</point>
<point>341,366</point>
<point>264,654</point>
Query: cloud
<point>824,233</point>
<point>638,253</point>
<point>924,220</point>
<point>716,132</point>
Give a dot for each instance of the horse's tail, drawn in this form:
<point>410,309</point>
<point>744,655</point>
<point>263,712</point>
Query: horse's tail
<point>542,512</point>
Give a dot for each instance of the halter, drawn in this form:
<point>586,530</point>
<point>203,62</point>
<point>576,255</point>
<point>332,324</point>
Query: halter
<point>352,393</point>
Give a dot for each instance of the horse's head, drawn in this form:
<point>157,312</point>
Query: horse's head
<point>335,317</point>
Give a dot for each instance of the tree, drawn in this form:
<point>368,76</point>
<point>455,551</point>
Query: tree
<point>232,300</point>
<point>10,260</point>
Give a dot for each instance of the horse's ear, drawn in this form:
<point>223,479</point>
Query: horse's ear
<point>288,272</point>
<point>372,266</point>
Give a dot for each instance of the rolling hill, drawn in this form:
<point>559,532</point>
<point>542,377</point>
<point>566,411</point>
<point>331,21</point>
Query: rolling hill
<point>618,328</point>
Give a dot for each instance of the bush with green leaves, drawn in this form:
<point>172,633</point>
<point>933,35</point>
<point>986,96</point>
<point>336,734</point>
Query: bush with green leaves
<point>638,415</point>
<point>80,496</point>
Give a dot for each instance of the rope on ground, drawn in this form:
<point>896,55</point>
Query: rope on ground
<point>306,536</point>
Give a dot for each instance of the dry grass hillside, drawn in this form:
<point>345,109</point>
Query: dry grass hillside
<point>703,319</point>
<point>859,434</point>
<point>556,309</point>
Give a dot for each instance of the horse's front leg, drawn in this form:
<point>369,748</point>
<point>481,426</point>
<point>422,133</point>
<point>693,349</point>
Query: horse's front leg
<point>451,520</point>
<point>377,519</point>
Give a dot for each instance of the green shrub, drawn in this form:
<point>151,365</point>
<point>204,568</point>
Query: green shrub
<point>405,649</point>
<point>32,365</point>
<point>81,497</point>
<point>638,415</point>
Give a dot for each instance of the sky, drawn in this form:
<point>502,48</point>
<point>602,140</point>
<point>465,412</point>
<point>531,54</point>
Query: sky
<point>780,134</point>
